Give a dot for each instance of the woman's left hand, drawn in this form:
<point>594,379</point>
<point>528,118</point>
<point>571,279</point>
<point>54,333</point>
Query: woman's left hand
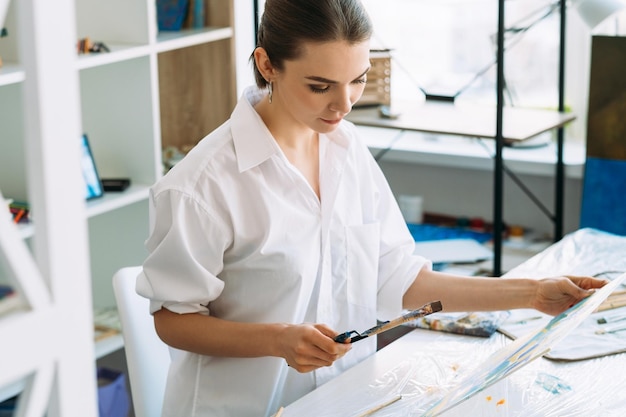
<point>555,295</point>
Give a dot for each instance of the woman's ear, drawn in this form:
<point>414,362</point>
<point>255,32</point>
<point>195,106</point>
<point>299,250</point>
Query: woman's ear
<point>263,63</point>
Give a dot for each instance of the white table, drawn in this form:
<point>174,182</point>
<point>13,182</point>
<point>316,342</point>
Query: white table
<point>423,365</point>
<point>464,120</point>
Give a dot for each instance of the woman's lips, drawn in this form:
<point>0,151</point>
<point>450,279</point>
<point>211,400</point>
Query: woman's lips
<point>331,122</point>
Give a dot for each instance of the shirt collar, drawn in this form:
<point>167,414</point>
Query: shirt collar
<point>252,140</point>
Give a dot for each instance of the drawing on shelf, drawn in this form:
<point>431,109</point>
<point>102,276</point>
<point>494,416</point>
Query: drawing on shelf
<point>93,186</point>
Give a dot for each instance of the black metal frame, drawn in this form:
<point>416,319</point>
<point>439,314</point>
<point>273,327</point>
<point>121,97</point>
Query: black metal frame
<point>499,138</point>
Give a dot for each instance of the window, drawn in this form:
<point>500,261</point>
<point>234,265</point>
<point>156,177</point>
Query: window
<point>441,46</point>
<point>449,46</point>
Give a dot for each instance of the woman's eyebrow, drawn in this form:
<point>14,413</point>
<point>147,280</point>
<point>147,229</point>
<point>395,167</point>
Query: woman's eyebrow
<point>327,81</point>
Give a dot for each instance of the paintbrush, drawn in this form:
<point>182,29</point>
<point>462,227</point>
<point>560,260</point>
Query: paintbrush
<point>611,329</point>
<point>425,310</point>
<point>616,299</point>
<point>380,406</point>
<point>611,319</point>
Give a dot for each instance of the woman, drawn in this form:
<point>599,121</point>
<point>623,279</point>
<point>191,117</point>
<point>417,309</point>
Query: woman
<point>278,231</point>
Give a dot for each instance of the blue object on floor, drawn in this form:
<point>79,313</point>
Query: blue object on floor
<point>424,232</point>
<point>113,398</point>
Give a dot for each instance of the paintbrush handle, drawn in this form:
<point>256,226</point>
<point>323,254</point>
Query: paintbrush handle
<point>410,316</point>
<point>380,406</point>
<point>613,301</point>
<point>611,329</point>
<point>425,310</point>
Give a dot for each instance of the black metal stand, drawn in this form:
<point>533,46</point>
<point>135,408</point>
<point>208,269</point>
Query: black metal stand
<point>498,178</point>
<point>559,192</point>
<point>498,185</point>
<point>255,8</point>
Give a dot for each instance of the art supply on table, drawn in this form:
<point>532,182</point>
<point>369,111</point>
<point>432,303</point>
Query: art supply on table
<point>616,300</point>
<point>380,406</point>
<point>611,319</point>
<point>524,320</point>
<point>425,310</point>
<point>279,412</point>
<point>612,329</point>
<point>481,324</point>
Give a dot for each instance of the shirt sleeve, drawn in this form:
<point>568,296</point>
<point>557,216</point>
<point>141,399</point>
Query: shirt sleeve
<point>186,247</point>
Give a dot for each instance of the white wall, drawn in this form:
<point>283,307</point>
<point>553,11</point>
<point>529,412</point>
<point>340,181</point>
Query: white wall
<point>244,43</point>
<point>469,192</point>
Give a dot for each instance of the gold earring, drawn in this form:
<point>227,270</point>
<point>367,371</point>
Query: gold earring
<point>270,91</point>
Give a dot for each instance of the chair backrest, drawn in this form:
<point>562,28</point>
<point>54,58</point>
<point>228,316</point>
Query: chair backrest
<point>147,357</point>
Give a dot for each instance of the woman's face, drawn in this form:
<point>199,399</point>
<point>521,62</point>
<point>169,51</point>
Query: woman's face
<point>319,88</point>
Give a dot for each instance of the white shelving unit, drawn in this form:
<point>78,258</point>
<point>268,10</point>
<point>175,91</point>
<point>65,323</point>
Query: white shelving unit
<point>129,102</point>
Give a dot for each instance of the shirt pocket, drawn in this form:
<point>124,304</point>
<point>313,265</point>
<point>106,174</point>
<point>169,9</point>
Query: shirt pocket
<point>362,250</point>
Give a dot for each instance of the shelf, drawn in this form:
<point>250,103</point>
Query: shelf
<point>168,41</point>
<point>120,100</point>
<point>102,348</point>
<point>109,201</point>
<point>114,200</point>
<point>117,53</point>
<point>109,345</point>
<point>11,73</point>
<point>26,230</point>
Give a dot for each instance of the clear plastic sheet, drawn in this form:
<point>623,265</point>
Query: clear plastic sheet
<point>432,372</point>
<point>429,371</point>
<point>584,252</point>
<point>541,389</point>
<point>424,365</point>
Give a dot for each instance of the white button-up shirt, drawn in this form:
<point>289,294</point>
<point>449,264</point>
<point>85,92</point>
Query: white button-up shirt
<point>238,233</point>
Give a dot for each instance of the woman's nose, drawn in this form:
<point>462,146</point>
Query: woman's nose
<point>342,101</point>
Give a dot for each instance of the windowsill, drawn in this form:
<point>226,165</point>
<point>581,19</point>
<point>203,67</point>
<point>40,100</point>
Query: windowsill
<point>469,153</point>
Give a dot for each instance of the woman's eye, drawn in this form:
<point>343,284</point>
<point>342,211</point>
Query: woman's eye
<point>319,89</point>
<point>360,81</point>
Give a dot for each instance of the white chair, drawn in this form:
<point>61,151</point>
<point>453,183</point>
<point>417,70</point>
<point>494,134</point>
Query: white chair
<point>147,356</point>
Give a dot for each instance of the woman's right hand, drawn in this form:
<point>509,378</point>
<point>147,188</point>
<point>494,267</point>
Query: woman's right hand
<point>307,347</point>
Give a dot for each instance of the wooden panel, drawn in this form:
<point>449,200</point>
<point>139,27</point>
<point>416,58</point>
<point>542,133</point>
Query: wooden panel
<point>197,91</point>
<point>606,126</point>
<point>219,13</point>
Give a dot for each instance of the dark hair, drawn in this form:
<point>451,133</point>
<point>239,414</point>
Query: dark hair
<point>286,24</point>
